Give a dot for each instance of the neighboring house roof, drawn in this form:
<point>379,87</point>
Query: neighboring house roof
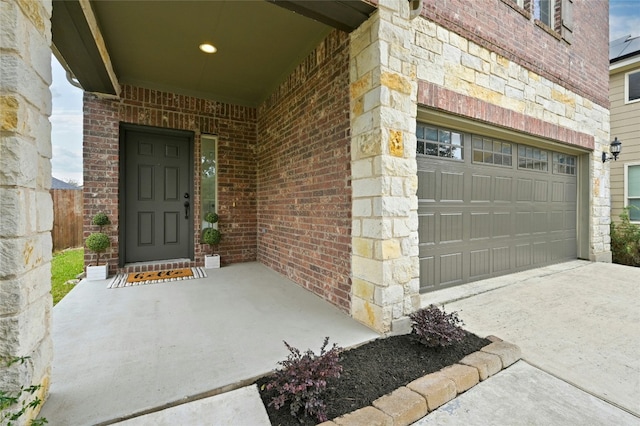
<point>58,184</point>
<point>623,48</point>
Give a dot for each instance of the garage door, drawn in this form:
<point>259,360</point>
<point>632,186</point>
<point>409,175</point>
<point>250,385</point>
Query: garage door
<point>490,207</point>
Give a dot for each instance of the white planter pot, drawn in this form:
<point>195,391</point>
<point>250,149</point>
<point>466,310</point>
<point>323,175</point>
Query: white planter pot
<point>97,272</point>
<point>212,261</point>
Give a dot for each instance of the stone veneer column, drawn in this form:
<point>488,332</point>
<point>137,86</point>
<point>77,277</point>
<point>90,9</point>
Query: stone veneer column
<point>600,203</point>
<point>26,208</point>
<point>384,263</point>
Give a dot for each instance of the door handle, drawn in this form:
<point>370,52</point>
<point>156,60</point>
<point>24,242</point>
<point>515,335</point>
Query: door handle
<point>186,205</point>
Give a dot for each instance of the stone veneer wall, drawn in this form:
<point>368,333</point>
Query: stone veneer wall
<point>26,208</point>
<point>513,34</point>
<point>236,129</point>
<point>458,76</point>
<point>304,193</point>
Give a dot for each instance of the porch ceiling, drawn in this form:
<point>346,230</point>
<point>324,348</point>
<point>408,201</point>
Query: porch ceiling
<point>155,43</point>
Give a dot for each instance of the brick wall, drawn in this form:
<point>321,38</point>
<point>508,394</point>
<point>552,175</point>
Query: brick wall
<point>447,100</point>
<point>100,175</point>
<point>459,76</point>
<point>509,31</point>
<point>304,194</point>
<point>236,130</point>
<point>292,165</point>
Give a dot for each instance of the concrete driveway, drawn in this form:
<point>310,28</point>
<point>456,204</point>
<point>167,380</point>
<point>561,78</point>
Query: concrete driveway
<point>578,322</point>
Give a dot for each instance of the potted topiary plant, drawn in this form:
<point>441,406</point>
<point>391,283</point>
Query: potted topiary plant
<point>98,242</point>
<point>212,237</point>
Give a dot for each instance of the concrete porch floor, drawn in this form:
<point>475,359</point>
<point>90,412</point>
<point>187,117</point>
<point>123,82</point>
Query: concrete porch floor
<point>125,351</point>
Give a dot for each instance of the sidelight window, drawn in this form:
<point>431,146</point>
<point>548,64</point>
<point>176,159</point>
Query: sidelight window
<point>209,182</point>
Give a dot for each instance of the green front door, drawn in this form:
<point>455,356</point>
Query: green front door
<point>158,195</point>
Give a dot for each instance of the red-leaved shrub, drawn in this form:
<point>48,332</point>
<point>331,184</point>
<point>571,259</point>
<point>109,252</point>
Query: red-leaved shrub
<point>303,378</point>
<point>435,328</point>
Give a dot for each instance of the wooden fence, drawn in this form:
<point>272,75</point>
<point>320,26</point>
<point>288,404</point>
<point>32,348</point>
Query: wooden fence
<point>67,218</point>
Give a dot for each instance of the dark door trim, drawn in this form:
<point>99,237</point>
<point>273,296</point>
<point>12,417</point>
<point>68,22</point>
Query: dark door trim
<point>122,185</point>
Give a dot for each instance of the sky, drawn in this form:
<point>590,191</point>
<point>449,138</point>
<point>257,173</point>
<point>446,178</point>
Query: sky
<point>66,118</point>
<point>66,127</point>
<point>624,18</point>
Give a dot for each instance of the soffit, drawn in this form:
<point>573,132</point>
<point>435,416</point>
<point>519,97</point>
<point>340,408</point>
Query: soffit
<point>155,43</point>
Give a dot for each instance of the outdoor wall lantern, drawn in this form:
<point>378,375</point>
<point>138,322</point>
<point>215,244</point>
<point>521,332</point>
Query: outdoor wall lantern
<point>614,148</point>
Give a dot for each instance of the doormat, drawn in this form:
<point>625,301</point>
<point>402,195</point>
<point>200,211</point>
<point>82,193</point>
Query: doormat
<point>154,277</point>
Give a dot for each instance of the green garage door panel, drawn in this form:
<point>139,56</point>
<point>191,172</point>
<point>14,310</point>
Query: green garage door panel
<point>478,221</point>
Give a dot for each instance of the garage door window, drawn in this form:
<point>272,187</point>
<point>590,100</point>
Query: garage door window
<point>439,142</point>
<point>490,151</point>
<point>532,158</point>
<point>564,164</point>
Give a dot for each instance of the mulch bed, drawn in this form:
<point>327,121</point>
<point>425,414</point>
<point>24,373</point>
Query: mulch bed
<point>373,370</point>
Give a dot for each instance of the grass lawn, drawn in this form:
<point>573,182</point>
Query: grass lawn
<point>65,265</point>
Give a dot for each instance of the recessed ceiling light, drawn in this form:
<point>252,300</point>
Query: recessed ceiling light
<point>208,48</point>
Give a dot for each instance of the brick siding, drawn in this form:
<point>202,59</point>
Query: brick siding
<point>447,100</point>
<point>504,28</point>
<point>304,193</point>
<point>285,174</point>
<point>236,130</point>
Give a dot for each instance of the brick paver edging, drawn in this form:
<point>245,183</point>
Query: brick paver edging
<point>412,402</point>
